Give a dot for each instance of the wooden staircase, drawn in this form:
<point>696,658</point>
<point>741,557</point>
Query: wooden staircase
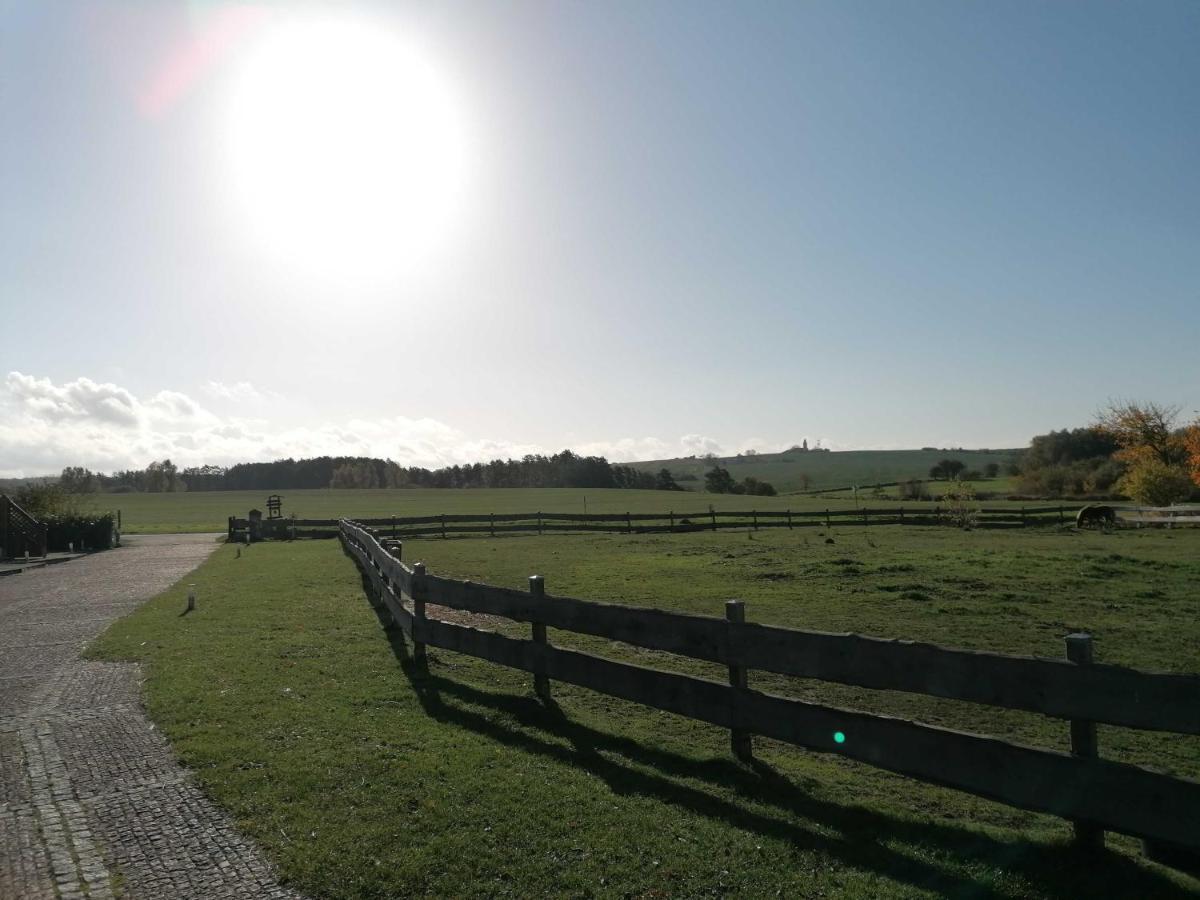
<point>20,533</point>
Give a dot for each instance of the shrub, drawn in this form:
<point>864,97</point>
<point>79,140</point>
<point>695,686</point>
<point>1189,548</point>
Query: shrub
<point>1156,483</point>
<point>96,532</point>
<point>913,489</point>
<point>959,507</point>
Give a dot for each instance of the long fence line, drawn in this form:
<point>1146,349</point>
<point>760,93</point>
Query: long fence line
<point>401,527</point>
<point>1096,794</point>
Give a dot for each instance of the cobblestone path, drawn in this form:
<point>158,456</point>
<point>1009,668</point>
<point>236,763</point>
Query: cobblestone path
<point>92,801</point>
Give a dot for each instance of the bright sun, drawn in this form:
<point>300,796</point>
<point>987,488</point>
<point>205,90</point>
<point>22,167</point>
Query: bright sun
<point>346,149</point>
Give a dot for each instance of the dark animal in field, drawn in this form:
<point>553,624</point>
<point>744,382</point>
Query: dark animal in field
<point>1100,516</point>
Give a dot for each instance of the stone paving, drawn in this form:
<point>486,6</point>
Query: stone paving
<point>92,801</point>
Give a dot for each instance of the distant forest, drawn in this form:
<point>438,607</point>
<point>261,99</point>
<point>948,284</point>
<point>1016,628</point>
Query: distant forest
<point>565,469</point>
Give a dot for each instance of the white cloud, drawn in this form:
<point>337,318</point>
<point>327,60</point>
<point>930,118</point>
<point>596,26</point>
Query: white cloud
<point>239,392</point>
<point>45,426</point>
<point>699,445</point>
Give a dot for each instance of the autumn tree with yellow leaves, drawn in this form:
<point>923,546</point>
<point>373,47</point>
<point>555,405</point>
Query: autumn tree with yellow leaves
<point>1163,461</point>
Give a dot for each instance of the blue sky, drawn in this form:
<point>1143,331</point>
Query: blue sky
<point>681,227</point>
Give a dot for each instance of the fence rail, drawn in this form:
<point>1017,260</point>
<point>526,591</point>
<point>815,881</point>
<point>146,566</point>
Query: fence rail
<point>645,523</point>
<point>1095,794</point>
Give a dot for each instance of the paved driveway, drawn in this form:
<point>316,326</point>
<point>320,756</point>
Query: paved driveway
<point>92,801</point>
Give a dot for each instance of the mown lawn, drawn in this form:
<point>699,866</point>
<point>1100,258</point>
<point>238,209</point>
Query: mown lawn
<point>363,777</point>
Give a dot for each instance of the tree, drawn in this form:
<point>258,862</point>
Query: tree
<point>1191,441</point>
<point>664,481</point>
<point>717,480</point>
<point>78,480</point>
<point>991,470</point>
<point>1156,483</point>
<point>947,469</point>
<point>751,485</point>
<point>1143,430</point>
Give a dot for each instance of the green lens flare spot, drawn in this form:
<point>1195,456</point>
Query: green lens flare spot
<point>839,737</point>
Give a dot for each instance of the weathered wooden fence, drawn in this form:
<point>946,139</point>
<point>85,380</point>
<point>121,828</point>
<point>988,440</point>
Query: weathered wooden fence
<point>644,523</point>
<point>1095,793</point>
<point>20,532</point>
<point>1163,516</point>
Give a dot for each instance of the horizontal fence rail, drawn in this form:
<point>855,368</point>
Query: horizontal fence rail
<point>646,523</point>
<point>1095,794</point>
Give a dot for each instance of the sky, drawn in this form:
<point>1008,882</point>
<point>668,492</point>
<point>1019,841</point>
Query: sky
<point>447,232</point>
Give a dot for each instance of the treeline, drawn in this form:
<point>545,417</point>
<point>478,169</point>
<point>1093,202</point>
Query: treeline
<point>565,469</point>
<point>1133,449</point>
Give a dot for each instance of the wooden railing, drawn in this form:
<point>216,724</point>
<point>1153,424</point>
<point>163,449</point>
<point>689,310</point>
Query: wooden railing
<point>20,533</point>
<point>1096,794</point>
<point>643,523</point>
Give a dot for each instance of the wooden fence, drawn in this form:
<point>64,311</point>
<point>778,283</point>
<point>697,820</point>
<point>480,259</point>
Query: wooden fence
<point>1096,794</point>
<point>1164,516</point>
<point>20,532</point>
<point>643,523</point>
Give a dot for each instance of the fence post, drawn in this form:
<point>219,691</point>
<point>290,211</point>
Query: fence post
<point>828,524</point>
<point>789,519</point>
<point>229,538</point>
<point>1061,516</point>
<point>492,523</point>
<point>393,527</point>
<point>672,515</point>
<point>865,519</point>
<point>293,526</point>
<point>418,599</point>
<point>754,518</point>
<point>539,521</point>
<point>628,524</point>
<point>902,515</point>
<point>541,681</point>
<point>712,512</point>
<point>1083,739</point>
<point>443,526</point>
<point>1022,517</point>
<point>739,739</point>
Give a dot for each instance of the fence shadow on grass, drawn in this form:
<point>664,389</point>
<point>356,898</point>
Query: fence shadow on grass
<point>1057,869</point>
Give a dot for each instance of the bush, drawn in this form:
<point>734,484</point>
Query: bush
<point>1156,483</point>
<point>95,532</point>
<point>913,489</point>
<point>959,507</point>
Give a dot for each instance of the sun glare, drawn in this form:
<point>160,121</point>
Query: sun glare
<point>346,149</point>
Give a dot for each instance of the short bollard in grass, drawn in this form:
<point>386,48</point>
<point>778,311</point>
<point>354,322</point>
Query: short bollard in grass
<point>191,597</point>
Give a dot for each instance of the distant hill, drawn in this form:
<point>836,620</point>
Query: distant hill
<point>827,469</point>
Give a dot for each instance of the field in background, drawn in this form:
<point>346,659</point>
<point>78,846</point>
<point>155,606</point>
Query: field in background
<point>209,511</point>
<point>830,470</point>
<point>286,699</point>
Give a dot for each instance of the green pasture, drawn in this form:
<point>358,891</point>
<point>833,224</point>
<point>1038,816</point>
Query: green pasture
<point>830,470</point>
<point>210,511</point>
<point>362,777</point>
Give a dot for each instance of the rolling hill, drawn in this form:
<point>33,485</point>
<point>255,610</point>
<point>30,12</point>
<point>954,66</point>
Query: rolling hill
<point>826,470</point>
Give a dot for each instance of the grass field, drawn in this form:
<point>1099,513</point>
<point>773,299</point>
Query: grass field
<point>209,511</point>
<point>362,778</point>
<point>833,469</point>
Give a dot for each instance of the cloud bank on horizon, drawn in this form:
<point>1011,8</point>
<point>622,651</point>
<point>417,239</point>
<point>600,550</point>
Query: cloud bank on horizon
<point>46,426</point>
